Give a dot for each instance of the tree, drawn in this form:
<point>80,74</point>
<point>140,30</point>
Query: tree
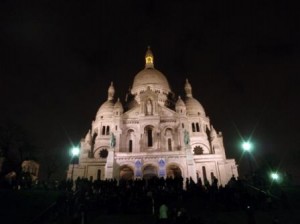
<point>15,146</point>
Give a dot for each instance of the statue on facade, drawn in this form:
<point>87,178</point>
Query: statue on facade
<point>149,107</point>
<point>112,140</point>
<point>186,138</point>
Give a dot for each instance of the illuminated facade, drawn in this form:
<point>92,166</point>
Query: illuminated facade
<point>154,134</point>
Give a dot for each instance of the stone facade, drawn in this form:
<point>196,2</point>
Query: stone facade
<point>154,134</point>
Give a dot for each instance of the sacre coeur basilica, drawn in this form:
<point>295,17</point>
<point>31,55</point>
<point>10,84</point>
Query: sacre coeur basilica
<point>153,134</point>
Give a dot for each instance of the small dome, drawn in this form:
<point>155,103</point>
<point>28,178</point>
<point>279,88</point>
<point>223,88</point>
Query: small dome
<point>106,108</point>
<point>118,106</point>
<point>180,102</point>
<point>193,107</point>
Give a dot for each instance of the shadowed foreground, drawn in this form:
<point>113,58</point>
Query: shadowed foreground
<point>139,202</point>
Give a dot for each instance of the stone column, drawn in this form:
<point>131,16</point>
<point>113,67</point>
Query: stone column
<point>109,167</point>
<point>191,170</point>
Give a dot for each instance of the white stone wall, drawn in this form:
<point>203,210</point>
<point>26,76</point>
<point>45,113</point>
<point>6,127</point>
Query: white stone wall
<point>168,149</point>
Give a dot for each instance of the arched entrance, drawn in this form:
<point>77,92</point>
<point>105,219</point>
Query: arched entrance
<point>126,173</point>
<point>149,172</point>
<point>173,171</point>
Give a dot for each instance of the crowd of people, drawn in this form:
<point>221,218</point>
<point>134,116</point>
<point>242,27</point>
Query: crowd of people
<point>170,200</point>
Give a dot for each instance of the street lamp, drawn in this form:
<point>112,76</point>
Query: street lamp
<point>275,177</point>
<point>75,152</point>
<point>247,146</point>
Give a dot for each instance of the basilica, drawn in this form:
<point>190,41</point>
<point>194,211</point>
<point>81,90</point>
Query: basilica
<point>152,134</point>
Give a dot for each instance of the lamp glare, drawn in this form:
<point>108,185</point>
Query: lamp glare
<point>275,176</point>
<point>75,151</point>
<point>246,146</point>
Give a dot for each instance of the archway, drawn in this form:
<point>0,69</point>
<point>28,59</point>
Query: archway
<point>126,173</point>
<point>173,171</point>
<point>149,172</point>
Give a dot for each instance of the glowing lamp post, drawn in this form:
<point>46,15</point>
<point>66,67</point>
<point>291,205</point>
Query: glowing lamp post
<point>247,146</point>
<point>275,177</point>
<point>75,152</point>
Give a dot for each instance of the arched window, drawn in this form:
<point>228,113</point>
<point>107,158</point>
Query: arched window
<point>149,135</point>
<point>197,127</point>
<point>169,144</point>
<point>107,130</point>
<point>193,127</point>
<point>130,146</point>
<point>103,130</point>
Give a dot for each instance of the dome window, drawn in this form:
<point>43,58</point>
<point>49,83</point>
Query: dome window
<point>130,146</point>
<point>193,127</point>
<point>169,144</point>
<point>197,127</point>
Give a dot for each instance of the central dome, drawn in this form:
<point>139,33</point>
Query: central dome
<point>150,77</point>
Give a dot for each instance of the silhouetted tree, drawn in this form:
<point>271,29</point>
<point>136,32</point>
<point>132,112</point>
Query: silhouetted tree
<point>15,146</point>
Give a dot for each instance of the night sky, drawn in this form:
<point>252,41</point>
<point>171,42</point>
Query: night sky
<point>57,59</point>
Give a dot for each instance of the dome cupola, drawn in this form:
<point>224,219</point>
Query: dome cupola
<point>150,77</point>
<point>188,88</point>
<point>118,108</point>
<point>180,106</point>
<point>149,60</point>
<point>106,109</point>
<point>193,107</point>
<point>111,92</point>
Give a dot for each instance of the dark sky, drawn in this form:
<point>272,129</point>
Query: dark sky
<point>57,59</point>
